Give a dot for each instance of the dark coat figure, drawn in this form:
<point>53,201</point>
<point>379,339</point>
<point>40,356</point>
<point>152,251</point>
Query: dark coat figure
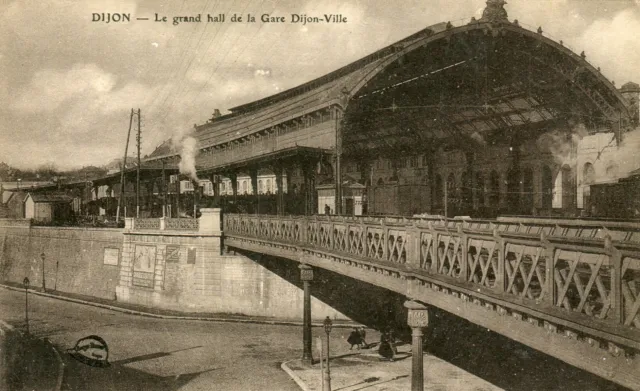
<point>386,349</point>
<point>363,337</point>
<point>354,339</point>
<point>327,209</point>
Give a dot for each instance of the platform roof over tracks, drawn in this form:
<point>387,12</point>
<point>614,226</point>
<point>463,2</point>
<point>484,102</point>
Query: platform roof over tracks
<point>488,80</point>
<point>485,82</point>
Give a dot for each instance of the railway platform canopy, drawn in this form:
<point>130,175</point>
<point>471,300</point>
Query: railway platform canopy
<point>489,81</point>
<point>488,113</point>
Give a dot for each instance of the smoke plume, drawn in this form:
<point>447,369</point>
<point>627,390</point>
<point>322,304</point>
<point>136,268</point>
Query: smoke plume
<point>627,156</point>
<point>562,146</point>
<point>187,147</point>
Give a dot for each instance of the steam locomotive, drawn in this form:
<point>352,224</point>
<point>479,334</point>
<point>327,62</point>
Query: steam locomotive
<point>619,200</point>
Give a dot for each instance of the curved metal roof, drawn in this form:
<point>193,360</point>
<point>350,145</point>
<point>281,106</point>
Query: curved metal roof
<point>483,80</point>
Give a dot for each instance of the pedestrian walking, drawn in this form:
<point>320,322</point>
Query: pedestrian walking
<point>363,337</point>
<point>386,349</point>
<point>354,339</point>
<point>392,340</point>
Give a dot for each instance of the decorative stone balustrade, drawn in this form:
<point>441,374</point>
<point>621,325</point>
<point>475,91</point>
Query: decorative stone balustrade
<point>208,223</point>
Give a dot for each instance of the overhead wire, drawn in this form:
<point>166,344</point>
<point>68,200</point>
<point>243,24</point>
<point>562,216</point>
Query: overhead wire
<point>271,51</point>
<point>213,72</point>
<point>157,63</point>
<point>183,59</point>
<point>187,68</point>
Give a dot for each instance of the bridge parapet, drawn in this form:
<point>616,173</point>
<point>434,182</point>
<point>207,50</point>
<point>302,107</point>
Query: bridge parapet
<point>163,224</point>
<point>585,277</point>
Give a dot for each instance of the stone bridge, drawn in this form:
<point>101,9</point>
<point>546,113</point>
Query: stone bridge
<point>569,288</point>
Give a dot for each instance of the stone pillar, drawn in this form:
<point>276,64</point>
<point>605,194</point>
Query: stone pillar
<point>418,319</point>
<point>253,173</point>
<point>338,168</point>
<point>234,183</point>
<point>309,173</point>
<point>306,274</point>
<point>280,190</point>
<point>290,197</point>
<point>209,221</point>
<point>129,223</point>
<point>215,181</point>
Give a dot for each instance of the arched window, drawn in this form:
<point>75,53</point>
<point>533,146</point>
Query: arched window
<point>439,192</point>
<point>527,199</point>
<point>588,174</point>
<point>467,191</point>
<point>269,190</point>
<point>244,187</point>
<point>494,189</point>
<point>547,187</point>
<point>380,182</point>
<point>480,188</point>
<point>452,199</point>
<point>568,188</point>
<point>588,178</point>
<point>260,187</point>
<point>513,190</point>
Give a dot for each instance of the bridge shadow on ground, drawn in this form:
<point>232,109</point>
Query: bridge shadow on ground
<point>117,376</point>
<point>497,359</point>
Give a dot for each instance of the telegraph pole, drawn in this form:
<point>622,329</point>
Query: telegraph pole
<point>164,191</point>
<point>124,164</point>
<point>138,139</point>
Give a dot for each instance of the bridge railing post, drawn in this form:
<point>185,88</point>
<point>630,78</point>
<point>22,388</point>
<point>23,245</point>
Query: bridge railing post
<point>363,238</point>
<point>304,228</point>
<point>615,259</point>
<point>413,245</point>
<point>434,248</point>
<point>332,233</point>
<point>385,240</point>
<point>316,227</point>
<point>464,245</point>
<point>501,246</point>
<point>549,252</point>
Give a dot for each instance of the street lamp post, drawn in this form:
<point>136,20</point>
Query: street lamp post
<point>43,256</point>
<point>418,319</point>
<point>306,275</point>
<point>26,301</point>
<point>327,373</point>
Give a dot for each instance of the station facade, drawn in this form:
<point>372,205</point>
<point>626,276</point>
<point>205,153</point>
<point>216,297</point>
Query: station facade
<point>480,119</point>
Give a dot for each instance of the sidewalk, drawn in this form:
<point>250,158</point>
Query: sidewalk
<point>365,370</point>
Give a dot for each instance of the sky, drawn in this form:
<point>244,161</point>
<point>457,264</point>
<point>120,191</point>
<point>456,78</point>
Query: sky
<point>68,84</point>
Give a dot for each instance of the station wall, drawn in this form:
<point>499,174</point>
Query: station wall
<point>75,262</point>
<point>186,273</point>
<point>74,258</point>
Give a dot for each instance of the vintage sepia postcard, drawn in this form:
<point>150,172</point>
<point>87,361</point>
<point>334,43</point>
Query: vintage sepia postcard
<point>320,195</point>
